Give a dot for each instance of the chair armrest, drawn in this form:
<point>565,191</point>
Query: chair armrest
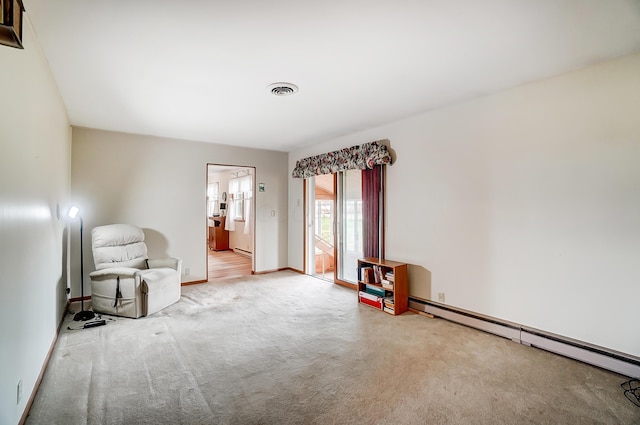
<point>173,263</point>
<point>114,272</point>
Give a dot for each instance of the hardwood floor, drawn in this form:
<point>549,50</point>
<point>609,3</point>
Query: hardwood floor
<point>227,264</point>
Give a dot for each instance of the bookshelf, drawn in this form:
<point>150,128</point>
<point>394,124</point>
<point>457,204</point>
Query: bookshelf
<point>383,285</point>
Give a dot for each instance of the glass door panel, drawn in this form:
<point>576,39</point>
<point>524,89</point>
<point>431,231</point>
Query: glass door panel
<point>349,224</point>
<point>321,215</point>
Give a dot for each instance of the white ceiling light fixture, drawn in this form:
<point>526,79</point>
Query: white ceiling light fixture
<point>282,89</point>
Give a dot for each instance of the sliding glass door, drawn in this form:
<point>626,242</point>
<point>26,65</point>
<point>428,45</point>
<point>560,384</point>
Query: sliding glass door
<point>320,225</point>
<point>349,225</point>
<point>334,226</point>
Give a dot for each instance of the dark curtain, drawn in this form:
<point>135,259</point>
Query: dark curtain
<point>372,212</point>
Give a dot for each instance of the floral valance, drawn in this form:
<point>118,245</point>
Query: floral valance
<point>360,157</point>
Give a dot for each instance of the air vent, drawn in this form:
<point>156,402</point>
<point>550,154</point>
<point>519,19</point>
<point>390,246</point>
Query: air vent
<point>282,89</point>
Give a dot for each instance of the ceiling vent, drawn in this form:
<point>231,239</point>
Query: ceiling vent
<point>282,89</point>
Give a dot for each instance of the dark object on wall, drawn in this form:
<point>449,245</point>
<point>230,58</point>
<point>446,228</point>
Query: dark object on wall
<point>11,23</point>
<point>82,315</point>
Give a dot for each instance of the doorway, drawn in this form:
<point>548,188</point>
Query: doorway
<point>230,213</point>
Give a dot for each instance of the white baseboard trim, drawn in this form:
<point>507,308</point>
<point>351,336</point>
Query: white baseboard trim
<point>602,357</point>
<point>243,252</point>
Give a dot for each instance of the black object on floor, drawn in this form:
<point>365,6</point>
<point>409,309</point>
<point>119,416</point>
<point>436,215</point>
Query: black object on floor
<point>95,323</point>
<point>632,391</point>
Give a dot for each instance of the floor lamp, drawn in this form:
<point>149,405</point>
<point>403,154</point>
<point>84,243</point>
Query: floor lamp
<point>83,314</point>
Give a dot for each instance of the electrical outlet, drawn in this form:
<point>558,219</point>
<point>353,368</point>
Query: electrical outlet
<point>441,297</point>
<point>273,213</point>
<point>187,271</point>
<point>19,392</point>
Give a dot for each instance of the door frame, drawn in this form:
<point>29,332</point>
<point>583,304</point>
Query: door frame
<point>252,210</point>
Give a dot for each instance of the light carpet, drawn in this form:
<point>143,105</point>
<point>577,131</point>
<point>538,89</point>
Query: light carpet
<point>284,348</point>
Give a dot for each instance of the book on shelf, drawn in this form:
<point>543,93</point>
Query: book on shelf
<point>375,290</point>
<point>373,273</point>
<point>389,276</point>
<point>386,284</point>
<point>377,273</point>
<point>367,275</point>
<point>369,296</point>
<point>370,299</point>
<point>389,310</point>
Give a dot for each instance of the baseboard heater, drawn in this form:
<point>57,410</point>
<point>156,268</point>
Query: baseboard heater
<point>605,358</point>
<point>242,252</point>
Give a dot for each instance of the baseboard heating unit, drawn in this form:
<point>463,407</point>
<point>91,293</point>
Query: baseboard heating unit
<point>605,358</point>
<point>242,252</point>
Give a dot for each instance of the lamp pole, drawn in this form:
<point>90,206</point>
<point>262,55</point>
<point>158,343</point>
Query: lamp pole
<point>83,314</point>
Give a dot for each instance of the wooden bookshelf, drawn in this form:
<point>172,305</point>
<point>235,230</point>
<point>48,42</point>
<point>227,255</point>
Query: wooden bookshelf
<point>375,281</point>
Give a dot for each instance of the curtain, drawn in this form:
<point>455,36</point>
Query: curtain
<point>212,194</point>
<point>246,187</point>
<point>363,157</point>
<point>247,216</point>
<point>240,188</point>
<point>372,218</point>
<point>230,222</point>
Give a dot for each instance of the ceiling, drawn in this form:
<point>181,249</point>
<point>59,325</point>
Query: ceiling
<point>199,69</point>
<point>214,170</point>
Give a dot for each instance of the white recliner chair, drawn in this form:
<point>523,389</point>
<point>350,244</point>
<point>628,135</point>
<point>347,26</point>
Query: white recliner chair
<point>126,282</point>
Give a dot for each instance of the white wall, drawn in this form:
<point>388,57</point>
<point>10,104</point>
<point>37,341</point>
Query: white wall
<point>238,239</point>
<point>35,138</point>
<point>523,205</point>
<point>159,184</point>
